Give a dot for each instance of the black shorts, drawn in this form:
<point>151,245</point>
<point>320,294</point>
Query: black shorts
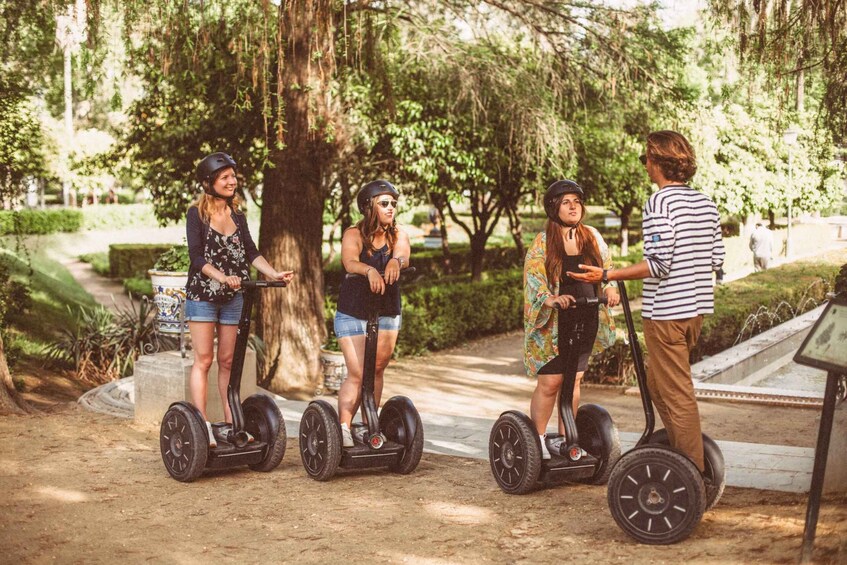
<point>555,366</point>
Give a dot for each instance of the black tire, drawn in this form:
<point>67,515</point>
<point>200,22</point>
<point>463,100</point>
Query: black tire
<point>714,475</point>
<point>393,424</point>
<point>598,435</point>
<point>656,495</point>
<point>320,441</point>
<point>256,412</point>
<point>184,444</point>
<point>514,453</point>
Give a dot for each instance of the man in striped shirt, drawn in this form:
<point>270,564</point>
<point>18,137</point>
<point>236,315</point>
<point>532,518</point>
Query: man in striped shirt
<point>682,248</point>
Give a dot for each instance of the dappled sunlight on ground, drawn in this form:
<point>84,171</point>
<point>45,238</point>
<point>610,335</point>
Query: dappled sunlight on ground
<point>61,495</point>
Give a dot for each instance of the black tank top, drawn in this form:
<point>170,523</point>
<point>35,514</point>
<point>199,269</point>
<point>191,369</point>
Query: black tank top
<point>355,292</point>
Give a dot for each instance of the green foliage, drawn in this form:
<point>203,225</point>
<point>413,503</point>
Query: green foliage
<point>14,297</point>
<point>39,221</point>
<point>118,217</point>
<point>102,346</point>
<point>99,262</point>
<point>794,289</point>
<point>22,140</point>
<point>134,259</point>
<point>139,286</point>
<point>175,259</point>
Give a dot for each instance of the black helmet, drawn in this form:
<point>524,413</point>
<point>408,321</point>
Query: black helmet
<point>374,188</point>
<point>555,191</point>
<point>211,164</point>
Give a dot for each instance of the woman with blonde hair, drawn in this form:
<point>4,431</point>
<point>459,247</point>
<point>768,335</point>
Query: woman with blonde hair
<point>221,251</point>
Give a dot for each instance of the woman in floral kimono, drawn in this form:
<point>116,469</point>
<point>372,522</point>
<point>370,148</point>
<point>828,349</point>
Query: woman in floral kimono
<point>221,251</point>
<point>565,243</point>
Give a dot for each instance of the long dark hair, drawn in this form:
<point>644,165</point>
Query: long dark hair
<point>369,226</point>
<point>585,241</point>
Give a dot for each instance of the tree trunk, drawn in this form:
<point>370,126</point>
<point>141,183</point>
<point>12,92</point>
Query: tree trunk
<point>10,401</point>
<point>445,244</point>
<point>292,320</point>
<point>346,202</point>
<point>516,230</point>
<point>478,241</point>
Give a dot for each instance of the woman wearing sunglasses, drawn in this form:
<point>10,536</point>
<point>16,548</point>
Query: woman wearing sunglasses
<point>565,243</point>
<point>376,249</point>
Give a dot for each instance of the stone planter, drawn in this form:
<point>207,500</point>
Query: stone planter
<point>169,296</point>
<point>334,370</point>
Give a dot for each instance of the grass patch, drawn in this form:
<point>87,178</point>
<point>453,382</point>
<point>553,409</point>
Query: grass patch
<point>99,262</point>
<point>52,289</point>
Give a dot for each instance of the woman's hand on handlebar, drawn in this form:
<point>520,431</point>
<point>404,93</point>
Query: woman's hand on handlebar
<point>375,281</point>
<point>613,296</point>
<point>392,271</point>
<point>232,282</point>
<point>562,301</point>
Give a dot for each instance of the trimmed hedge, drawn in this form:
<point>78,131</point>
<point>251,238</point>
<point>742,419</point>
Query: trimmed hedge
<point>445,313</point>
<point>127,260</point>
<point>800,286</point>
<point>39,221</point>
<point>138,286</point>
<point>120,216</point>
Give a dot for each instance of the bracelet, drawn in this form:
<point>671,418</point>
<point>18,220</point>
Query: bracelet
<point>368,271</point>
<point>400,261</point>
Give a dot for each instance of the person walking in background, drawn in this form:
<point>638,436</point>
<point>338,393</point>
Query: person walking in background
<point>761,244</point>
<point>683,247</point>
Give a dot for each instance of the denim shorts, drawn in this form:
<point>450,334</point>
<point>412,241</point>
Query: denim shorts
<point>348,326</point>
<point>224,313</point>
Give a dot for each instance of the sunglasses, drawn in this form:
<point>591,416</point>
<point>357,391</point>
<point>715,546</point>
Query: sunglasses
<point>643,158</point>
<point>387,203</point>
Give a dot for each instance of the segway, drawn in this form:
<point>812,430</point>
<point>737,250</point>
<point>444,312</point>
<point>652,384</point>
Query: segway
<point>184,437</point>
<point>393,439</point>
<point>591,445</point>
<point>656,494</point>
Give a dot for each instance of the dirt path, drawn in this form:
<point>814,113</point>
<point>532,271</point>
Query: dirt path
<point>80,487</point>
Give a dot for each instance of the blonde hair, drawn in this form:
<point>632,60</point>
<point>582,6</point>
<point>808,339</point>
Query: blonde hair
<point>204,205</point>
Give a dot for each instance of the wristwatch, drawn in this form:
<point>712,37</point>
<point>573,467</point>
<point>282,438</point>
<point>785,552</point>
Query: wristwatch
<point>605,278</point>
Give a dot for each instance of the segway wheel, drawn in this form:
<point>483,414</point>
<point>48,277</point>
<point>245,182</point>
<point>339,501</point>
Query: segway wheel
<point>656,495</point>
<point>714,475</point>
<point>184,444</point>
<point>264,421</point>
<point>514,453</point>
<point>598,435</point>
<point>320,441</point>
<point>392,422</point>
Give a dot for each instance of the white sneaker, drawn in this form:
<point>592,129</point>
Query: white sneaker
<point>545,453</point>
<point>212,442</point>
<point>346,436</point>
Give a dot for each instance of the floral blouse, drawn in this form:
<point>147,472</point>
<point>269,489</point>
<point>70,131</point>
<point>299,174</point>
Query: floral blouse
<point>541,328</point>
<point>227,254</point>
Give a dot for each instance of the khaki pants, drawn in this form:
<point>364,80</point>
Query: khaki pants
<point>669,343</point>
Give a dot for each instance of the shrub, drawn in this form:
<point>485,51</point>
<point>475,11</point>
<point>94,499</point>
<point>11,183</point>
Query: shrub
<point>103,346</point>
<point>39,221</point>
<point>134,259</point>
<point>174,259</point>
<point>121,216</point>
<point>138,286</point>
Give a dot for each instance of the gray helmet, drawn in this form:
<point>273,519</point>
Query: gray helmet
<point>555,191</point>
<point>210,165</point>
<point>374,188</point>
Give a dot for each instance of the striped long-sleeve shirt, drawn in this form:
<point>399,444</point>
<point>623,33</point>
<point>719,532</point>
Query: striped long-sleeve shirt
<point>682,247</point>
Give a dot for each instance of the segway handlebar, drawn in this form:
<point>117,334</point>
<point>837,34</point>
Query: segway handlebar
<point>584,301</point>
<point>263,284</point>
<point>403,272</point>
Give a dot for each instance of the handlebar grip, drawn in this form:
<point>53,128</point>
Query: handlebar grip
<point>263,284</point>
<point>584,301</point>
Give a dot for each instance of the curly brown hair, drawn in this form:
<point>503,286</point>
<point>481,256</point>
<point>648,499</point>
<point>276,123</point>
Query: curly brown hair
<point>672,153</point>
